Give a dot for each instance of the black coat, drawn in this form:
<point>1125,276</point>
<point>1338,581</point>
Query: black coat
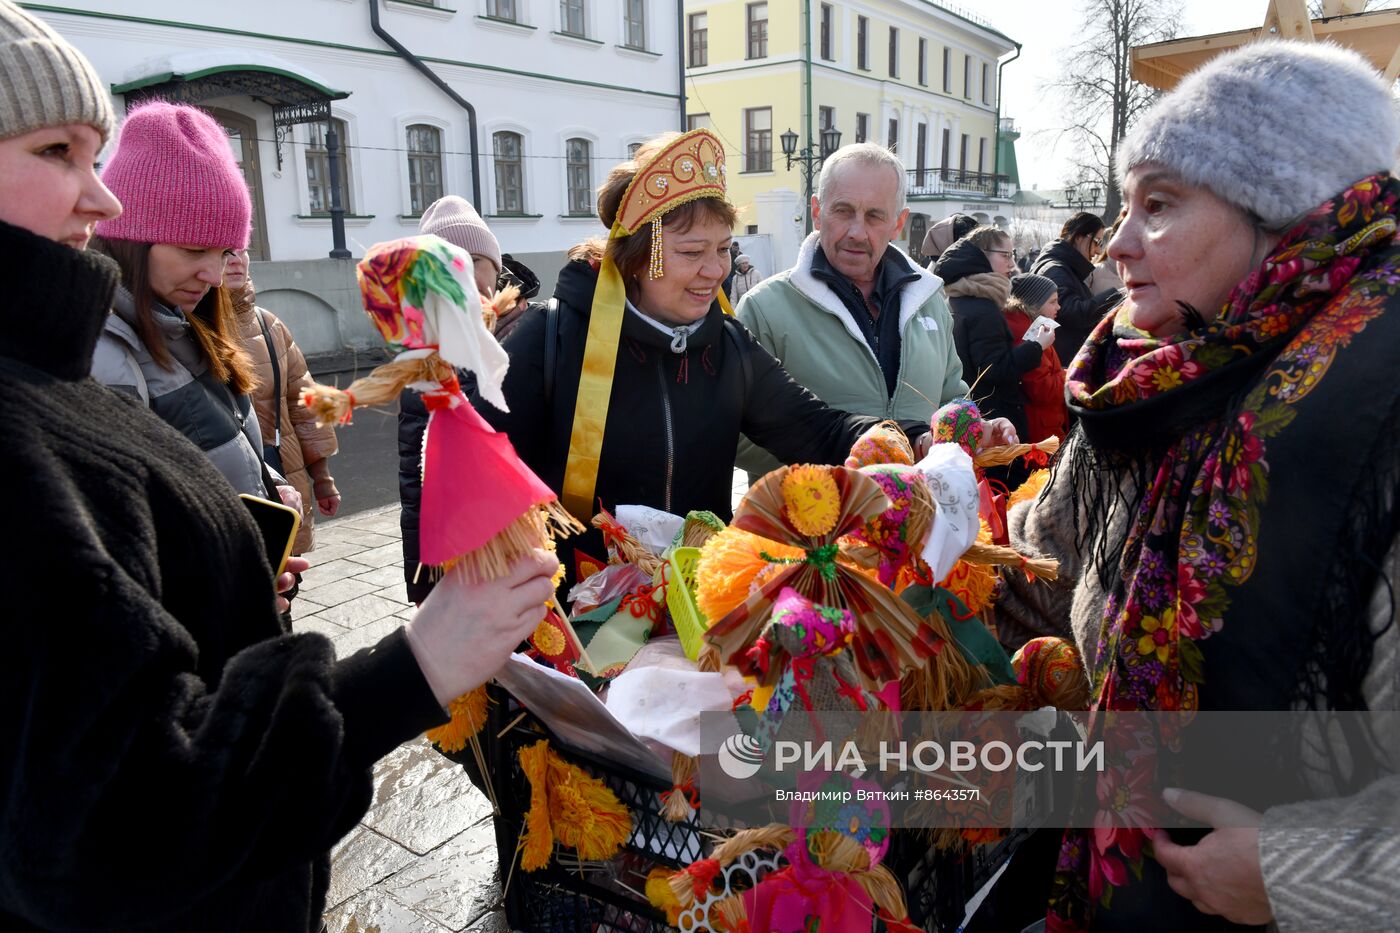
<point>993,362</point>
<point>674,420</point>
<point>170,757</point>
<point>1080,309</point>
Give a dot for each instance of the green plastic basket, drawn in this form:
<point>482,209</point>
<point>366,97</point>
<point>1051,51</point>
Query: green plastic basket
<point>680,599</point>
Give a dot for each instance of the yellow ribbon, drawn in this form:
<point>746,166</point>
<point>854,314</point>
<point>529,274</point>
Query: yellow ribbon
<point>595,381</point>
<point>595,387</point>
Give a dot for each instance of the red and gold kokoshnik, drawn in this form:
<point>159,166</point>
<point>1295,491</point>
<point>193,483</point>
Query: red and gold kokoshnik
<point>691,167</point>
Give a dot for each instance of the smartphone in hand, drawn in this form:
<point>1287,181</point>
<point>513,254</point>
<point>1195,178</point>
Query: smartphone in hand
<point>278,525</point>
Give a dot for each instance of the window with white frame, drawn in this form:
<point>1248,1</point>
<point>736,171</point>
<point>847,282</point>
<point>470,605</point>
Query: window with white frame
<point>893,143</point>
<point>424,167</point>
<point>894,52</point>
<point>571,18</point>
<point>826,34</point>
<point>862,127</point>
<point>635,23</point>
<point>579,175</point>
<point>986,83</point>
<point>698,121</point>
<point>506,149</point>
<point>318,173</point>
<point>923,61</point>
<point>502,9</point>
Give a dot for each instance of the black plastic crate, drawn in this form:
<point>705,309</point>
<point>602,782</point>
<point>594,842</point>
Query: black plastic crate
<point>597,896</point>
<point>610,896</point>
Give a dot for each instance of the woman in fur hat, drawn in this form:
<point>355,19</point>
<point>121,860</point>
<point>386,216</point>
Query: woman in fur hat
<point>1225,512</point>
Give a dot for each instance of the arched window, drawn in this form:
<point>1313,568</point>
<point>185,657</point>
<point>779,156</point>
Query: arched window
<point>510,179</point>
<point>580,176</point>
<point>424,167</point>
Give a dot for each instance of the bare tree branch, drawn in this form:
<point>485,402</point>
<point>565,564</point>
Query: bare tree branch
<point>1100,98</point>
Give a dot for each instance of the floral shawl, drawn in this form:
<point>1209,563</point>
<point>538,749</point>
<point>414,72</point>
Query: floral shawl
<point>1207,417</point>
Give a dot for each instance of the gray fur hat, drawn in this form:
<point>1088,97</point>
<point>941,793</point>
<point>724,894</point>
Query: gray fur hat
<point>1276,127</point>
<point>45,81</point>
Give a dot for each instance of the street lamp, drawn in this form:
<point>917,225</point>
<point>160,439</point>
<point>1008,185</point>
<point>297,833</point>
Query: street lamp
<point>1072,196</point>
<point>1082,195</point>
<point>810,159</point>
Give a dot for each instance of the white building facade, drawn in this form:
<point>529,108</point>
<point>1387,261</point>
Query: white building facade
<point>561,90</point>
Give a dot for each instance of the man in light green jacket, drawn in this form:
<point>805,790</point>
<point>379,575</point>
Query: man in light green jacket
<point>855,321</point>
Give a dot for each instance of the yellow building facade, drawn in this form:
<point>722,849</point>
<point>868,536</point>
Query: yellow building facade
<point>912,75</point>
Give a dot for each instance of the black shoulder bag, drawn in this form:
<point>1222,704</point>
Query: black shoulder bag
<point>272,453</point>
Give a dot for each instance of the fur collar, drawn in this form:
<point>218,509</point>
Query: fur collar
<point>988,285</point>
<point>911,297</point>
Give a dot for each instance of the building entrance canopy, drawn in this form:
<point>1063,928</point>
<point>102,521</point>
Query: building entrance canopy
<point>295,94</point>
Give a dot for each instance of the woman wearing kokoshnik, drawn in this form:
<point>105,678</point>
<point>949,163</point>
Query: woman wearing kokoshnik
<point>653,381</point>
<point>1225,512</point>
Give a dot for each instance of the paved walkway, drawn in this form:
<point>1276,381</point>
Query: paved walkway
<point>423,859</point>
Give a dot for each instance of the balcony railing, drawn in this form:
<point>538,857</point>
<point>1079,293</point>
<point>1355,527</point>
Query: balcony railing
<point>931,182</point>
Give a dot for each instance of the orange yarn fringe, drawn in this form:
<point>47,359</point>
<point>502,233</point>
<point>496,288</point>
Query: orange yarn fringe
<point>568,806</point>
<point>468,714</point>
<point>730,563</point>
<point>1029,489</point>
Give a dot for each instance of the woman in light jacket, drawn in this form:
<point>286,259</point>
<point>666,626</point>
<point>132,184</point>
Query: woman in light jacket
<point>171,339</point>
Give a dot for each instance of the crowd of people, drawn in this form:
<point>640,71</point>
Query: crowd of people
<point>1223,508</point>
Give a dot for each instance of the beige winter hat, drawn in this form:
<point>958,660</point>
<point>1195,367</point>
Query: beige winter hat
<point>45,81</point>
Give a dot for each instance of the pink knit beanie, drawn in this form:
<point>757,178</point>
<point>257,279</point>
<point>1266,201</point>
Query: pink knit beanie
<point>174,172</point>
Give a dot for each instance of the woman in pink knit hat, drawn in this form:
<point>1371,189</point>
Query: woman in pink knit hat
<point>172,340</point>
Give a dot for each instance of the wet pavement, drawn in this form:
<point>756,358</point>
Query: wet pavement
<point>423,859</point>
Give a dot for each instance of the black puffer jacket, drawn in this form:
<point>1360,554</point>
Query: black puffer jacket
<point>993,362</point>
<point>674,420</point>
<point>1080,309</point>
